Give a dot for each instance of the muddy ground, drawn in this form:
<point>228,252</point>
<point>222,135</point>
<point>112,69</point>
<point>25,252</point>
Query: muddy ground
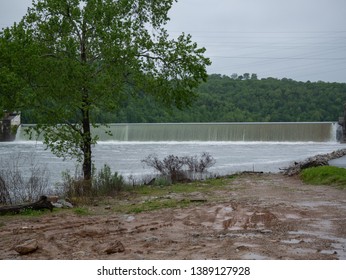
<point>257,216</point>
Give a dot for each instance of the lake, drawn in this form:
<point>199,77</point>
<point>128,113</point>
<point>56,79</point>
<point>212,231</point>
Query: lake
<point>125,157</point>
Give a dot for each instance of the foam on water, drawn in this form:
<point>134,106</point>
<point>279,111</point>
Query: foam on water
<point>125,157</point>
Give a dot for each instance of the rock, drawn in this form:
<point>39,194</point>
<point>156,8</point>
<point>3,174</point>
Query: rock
<point>318,160</point>
<point>57,205</point>
<point>130,219</point>
<point>151,182</point>
<point>115,247</point>
<point>151,239</point>
<point>27,247</point>
<point>62,203</point>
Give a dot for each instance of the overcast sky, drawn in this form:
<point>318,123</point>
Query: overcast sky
<point>297,39</point>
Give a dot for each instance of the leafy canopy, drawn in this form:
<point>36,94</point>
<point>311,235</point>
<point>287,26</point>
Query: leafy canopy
<point>80,57</point>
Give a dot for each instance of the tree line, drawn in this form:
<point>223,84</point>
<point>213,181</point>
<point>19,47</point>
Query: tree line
<point>243,98</point>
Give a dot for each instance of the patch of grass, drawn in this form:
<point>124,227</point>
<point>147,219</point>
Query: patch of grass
<point>152,205</point>
<point>81,211</point>
<point>325,175</point>
<point>156,196</point>
<point>200,186</point>
<point>33,213</point>
<point>30,212</point>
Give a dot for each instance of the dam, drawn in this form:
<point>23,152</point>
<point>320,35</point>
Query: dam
<point>236,147</point>
<point>245,132</point>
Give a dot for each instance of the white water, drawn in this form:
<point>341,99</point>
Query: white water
<point>245,132</point>
<point>125,157</point>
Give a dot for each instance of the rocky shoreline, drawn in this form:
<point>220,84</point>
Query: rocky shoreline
<point>318,160</point>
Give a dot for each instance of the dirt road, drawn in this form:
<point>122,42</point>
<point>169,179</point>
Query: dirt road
<point>261,216</point>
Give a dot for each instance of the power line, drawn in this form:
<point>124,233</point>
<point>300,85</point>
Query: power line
<point>280,58</point>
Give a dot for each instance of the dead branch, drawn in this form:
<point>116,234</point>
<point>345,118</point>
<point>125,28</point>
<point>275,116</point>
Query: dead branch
<point>41,204</point>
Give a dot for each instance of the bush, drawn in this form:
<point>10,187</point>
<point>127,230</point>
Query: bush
<point>180,168</point>
<point>325,175</point>
<point>103,183</point>
<point>106,183</point>
<point>72,185</point>
<point>22,179</point>
<point>201,164</point>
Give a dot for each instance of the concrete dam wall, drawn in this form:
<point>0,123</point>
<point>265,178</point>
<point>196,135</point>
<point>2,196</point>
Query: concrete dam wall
<point>271,132</point>
<point>247,132</point>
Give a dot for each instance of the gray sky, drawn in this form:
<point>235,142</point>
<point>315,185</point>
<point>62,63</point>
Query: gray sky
<point>298,39</point>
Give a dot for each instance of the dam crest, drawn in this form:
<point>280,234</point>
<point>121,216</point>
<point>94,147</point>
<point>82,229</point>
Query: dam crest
<point>246,132</point>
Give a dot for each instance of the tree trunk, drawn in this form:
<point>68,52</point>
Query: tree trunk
<point>86,148</point>
<point>87,164</point>
<point>41,204</point>
<point>85,110</point>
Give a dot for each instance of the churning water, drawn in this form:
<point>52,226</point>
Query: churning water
<point>235,147</point>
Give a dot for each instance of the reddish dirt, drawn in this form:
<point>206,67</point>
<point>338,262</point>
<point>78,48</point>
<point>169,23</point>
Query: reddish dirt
<point>261,216</point>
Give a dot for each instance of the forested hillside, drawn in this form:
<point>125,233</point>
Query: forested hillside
<point>241,99</point>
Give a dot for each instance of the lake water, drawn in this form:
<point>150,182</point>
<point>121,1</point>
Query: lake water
<point>125,157</point>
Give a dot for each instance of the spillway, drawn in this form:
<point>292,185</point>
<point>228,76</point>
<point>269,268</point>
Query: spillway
<point>247,132</point>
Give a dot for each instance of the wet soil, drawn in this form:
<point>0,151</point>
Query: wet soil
<point>257,216</point>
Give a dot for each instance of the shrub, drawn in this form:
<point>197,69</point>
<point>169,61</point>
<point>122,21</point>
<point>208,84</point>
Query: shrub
<point>106,183</point>
<point>180,168</point>
<point>22,179</point>
<point>72,185</point>
<point>201,164</point>
<point>103,183</point>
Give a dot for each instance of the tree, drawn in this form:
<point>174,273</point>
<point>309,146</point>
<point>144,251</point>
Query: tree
<point>254,76</point>
<point>9,83</point>
<point>246,76</point>
<point>82,56</point>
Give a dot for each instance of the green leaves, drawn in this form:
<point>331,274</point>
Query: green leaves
<point>78,56</point>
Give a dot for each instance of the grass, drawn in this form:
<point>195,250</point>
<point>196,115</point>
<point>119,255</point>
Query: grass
<point>81,211</point>
<point>33,213</point>
<point>325,175</point>
<point>148,198</point>
<point>200,186</point>
<point>159,197</point>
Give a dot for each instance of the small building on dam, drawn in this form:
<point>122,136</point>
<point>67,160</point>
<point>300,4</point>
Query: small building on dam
<point>8,126</point>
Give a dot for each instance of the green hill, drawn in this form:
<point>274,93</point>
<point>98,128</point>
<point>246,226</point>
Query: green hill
<point>240,99</point>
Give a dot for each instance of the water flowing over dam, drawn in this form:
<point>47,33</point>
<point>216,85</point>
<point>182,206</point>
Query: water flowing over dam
<point>236,147</point>
<point>247,132</point>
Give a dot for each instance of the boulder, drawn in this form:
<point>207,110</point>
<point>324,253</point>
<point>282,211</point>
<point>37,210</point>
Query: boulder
<point>115,247</point>
<point>27,247</point>
<point>315,161</point>
<point>62,203</point>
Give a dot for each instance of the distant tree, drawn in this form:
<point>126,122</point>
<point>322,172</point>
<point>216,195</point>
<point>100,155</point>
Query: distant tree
<point>78,57</point>
<point>234,76</point>
<point>254,76</point>
<point>246,76</point>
